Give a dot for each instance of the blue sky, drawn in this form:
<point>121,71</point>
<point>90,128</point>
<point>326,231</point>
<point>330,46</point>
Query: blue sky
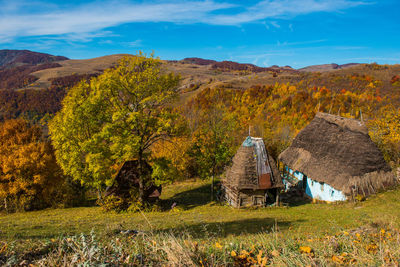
<point>267,32</point>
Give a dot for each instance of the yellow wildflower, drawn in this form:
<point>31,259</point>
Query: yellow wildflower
<point>305,249</point>
<point>337,259</point>
<point>218,245</point>
<point>244,252</point>
<point>251,260</point>
<point>372,248</point>
<point>275,253</point>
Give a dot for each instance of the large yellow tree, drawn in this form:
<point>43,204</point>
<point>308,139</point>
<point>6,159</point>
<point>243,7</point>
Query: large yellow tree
<point>116,117</point>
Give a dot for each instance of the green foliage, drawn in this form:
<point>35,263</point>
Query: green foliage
<point>127,204</point>
<point>212,138</point>
<point>114,203</point>
<point>164,171</point>
<point>113,118</point>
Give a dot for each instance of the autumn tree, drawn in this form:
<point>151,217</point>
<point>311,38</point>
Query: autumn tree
<point>29,175</point>
<point>116,117</point>
<point>213,140</point>
<point>385,132</point>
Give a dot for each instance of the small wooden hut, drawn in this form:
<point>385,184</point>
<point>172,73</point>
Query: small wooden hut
<point>253,179</point>
<point>127,179</point>
<point>334,159</point>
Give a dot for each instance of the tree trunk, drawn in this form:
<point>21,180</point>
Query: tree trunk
<point>212,187</point>
<point>141,181</point>
<point>5,204</point>
<point>277,198</point>
<point>212,183</point>
<point>99,195</point>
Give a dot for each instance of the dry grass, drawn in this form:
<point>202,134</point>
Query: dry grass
<point>202,232</point>
<point>366,246</point>
<point>70,67</point>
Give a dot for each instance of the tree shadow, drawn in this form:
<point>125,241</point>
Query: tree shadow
<point>295,202</point>
<point>235,228</point>
<point>295,199</point>
<point>189,199</point>
<point>202,195</point>
<point>38,236</point>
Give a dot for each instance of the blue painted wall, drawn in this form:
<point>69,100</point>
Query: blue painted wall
<point>316,190</point>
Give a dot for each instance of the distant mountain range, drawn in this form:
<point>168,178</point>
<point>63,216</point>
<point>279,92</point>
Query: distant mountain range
<point>327,67</point>
<point>24,69</point>
<point>15,58</point>
<point>33,84</point>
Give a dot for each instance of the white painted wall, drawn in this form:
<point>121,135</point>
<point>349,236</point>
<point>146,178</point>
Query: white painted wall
<point>316,190</point>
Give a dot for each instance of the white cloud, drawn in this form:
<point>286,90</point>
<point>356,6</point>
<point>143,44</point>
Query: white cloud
<point>87,21</point>
<point>373,59</point>
<point>350,47</point>
<point>97,16</point>
<point>301,43</point>
<point>136,43</point>
<point>275,24</point>
<point>285,9</point>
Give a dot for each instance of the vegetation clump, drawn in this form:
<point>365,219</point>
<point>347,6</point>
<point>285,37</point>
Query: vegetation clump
<point>114,118</point>
<point>29,175</point>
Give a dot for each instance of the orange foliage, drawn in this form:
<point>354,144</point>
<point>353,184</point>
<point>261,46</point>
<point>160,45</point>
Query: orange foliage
<point>28,170</point>
<point>279,112</point>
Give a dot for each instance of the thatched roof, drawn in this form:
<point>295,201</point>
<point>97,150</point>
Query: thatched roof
<point>338,151</point>
<point>252,167</point>
<point>127,178</point>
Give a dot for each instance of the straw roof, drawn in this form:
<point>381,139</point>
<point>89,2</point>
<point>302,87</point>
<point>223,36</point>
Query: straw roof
<point>128,178</point>
<point>245,170</point>
<point>338,151</point>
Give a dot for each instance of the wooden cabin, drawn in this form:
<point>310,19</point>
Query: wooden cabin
<point>253,179</point>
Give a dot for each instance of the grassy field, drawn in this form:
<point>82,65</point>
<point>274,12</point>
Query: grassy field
<point>219,227</point>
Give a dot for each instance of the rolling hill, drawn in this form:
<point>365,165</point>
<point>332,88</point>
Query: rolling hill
<point>15,58</point>
<point>34,83</point>
<point>327,67</point>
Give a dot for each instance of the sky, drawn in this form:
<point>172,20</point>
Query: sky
<point>297,33</point>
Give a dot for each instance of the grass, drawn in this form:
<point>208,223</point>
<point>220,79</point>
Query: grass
<point>198,219</point>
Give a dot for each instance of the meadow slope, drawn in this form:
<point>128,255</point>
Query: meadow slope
<point>219,227</point>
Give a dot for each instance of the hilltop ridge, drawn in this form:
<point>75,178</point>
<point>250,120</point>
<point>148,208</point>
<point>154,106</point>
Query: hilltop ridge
<point>15,58</point>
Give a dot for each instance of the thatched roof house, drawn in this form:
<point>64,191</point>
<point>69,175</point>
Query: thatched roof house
<point>337,152</point>
<point>127,178</point>
<point>253,178</point>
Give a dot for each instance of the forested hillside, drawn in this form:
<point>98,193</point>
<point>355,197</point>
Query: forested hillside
<point>275,102</point>
<point>220,102</point>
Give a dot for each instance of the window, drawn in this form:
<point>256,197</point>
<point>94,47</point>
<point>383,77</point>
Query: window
<point>312,183</point>
<point>322,187</point>
<point>332,192</point>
